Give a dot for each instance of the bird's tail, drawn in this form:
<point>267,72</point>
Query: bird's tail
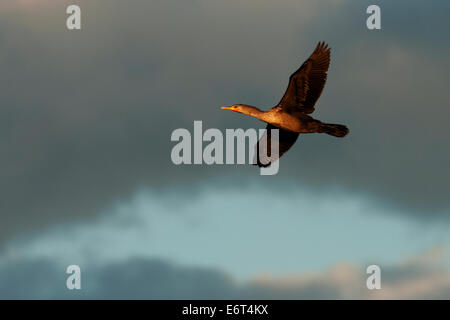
<point>337,130</point>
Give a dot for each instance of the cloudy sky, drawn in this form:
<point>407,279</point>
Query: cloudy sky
<point>86,176</point>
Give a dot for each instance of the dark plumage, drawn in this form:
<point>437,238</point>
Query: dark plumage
<point>291,114</point>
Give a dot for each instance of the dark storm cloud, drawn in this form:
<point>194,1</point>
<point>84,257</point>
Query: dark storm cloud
<point>425,278</point>
<point>86,116</point>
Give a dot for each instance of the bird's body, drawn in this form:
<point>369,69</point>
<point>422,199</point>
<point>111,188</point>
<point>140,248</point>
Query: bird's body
<point>294,121</point>
<point>291,114</point>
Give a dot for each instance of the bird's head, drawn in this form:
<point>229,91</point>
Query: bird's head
<point>243,108</point>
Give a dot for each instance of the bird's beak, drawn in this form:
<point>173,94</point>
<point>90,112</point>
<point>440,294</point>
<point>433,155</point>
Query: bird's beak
<point>229,108</point>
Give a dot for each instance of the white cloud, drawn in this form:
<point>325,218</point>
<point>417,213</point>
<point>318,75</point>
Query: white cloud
<point>426,275</point>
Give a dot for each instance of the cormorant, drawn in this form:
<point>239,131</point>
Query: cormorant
<point>290,115</point>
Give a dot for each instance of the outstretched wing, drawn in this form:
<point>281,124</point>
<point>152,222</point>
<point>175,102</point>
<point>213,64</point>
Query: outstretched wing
<point>285,141</point>
<point>306,84</point>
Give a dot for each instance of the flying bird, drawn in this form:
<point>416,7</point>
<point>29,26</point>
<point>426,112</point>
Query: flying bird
<point>291,114</point>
